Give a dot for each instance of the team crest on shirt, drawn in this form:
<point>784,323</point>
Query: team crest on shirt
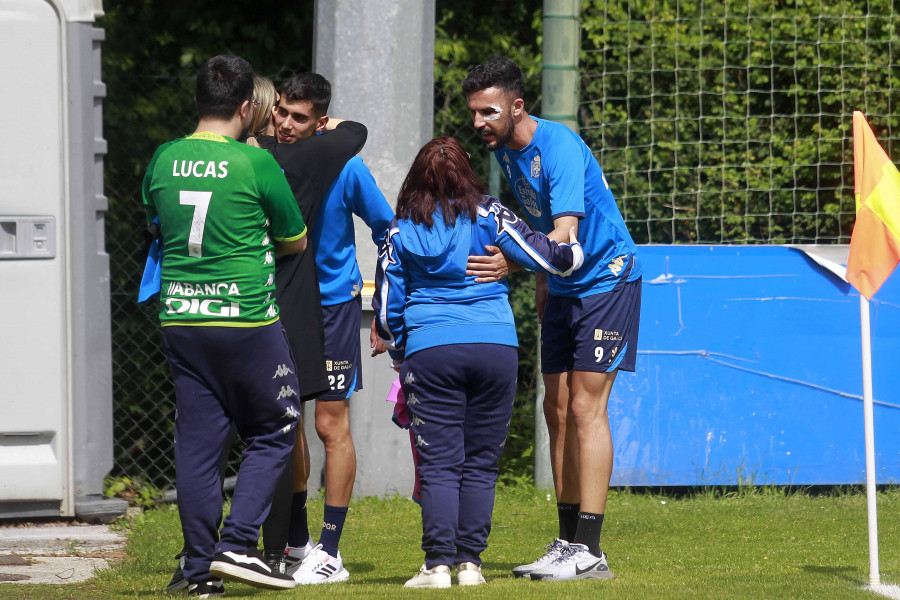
<point>527,197</point>
<point>536,166</point>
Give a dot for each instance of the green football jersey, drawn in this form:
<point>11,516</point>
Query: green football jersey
<point>220,205</point>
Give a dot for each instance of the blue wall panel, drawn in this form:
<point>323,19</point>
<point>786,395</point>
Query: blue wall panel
<point>749,369</point>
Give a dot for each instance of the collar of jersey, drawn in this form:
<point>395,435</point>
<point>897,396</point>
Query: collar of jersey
<point>208,135</point>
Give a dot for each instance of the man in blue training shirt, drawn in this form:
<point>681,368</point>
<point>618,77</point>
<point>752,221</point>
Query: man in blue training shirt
<point>589,319</point>
<point>301,113</point>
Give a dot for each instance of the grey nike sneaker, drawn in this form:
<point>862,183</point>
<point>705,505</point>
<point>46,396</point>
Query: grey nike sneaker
<point>577,563</point>
<point>552,551</point>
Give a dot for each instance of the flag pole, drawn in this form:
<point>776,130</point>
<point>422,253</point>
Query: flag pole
<point>869,417</point>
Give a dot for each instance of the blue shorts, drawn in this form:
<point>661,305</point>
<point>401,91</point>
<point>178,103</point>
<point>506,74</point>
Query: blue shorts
<point>343,358</point>
<point>596,333</point>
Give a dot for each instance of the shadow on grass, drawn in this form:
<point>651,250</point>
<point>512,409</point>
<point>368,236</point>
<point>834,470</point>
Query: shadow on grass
<point>850,574</point>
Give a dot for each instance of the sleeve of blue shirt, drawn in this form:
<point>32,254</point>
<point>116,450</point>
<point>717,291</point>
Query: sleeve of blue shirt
<point>563,166</point>
<point>389,299</point>
<point>366,201</point>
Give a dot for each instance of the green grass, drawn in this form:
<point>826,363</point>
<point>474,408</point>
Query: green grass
<point>748,543</point>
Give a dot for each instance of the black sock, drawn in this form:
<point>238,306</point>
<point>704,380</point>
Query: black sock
<point>568,520</point>
<point>298,533</point>
<point>332,526</point>
<point>589,526</point>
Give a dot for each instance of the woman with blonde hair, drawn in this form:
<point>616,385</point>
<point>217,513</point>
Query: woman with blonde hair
<point>264,100</point>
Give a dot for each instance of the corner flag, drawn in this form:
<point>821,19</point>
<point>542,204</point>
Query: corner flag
<point>875,243</point>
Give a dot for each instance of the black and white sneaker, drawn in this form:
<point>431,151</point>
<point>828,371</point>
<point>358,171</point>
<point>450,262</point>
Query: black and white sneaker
<point>211,588</point>
<point>250,568</point>
<point>553,551</point>
<point>178,581</point>
<point>276,562</point>
<point>577,563</point>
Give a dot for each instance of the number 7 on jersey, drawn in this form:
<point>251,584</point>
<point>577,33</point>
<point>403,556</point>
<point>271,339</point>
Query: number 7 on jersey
<point>200,202</point>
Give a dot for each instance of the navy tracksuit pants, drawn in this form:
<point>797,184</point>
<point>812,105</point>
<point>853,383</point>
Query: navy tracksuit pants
<point>226,375</point>
<point>460,397</point>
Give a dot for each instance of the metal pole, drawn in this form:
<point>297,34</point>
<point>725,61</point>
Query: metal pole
<point>869,417</point>
<point>562,45</point>
<point>559,102</point>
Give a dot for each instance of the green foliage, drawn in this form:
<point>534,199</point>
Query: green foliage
<point>136,491</point>
<point>467,33</point>
<point>730,122</point>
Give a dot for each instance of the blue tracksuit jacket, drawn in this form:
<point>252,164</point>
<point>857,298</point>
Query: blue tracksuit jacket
<point>423,297</point>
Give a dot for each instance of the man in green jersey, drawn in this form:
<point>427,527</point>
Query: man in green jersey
<point>225,210</point>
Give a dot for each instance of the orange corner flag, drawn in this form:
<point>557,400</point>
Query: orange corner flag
<point>875,243</point>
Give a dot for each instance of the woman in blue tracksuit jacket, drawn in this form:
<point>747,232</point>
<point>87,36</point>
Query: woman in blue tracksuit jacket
<point>455,343</point>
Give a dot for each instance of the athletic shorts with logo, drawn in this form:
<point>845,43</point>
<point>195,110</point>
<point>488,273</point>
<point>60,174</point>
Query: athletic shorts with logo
<point>597,333</point>
<point>343,358</point>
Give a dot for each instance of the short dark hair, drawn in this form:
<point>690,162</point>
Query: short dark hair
<point>224,82</point>
<point>499,72</point>
<point>310,87</point>
<point>440,176</point>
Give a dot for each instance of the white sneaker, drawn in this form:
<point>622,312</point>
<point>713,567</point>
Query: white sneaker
<point>577,563</point>
<point>468,573</point>
<point>438,577</point>
<point>321,567</point>
<point>553,551</point>
<point>293,556</point>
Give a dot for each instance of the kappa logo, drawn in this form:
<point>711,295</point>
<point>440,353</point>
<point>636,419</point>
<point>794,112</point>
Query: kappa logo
<point>617,264</point>
<point>420,441</point>
<point>416,420</point>
<point>281,371</point>
<point>270,280</point>
<point>409,379</point>
<point>411,399</point>
<point>290,413</point>
<point>286,392</point>
<point>271,313</point>
<point>269,259</point>
<point>265,241</point>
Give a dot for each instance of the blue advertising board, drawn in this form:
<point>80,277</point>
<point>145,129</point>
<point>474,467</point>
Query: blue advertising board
<point>749,371</point>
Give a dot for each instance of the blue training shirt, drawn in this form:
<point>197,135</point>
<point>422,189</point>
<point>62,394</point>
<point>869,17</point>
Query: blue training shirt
<point>423,297</point>
<point>556,175</point>
<point>354,192</point>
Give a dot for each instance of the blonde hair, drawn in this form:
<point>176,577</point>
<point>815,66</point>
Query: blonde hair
<point>264,92</point>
